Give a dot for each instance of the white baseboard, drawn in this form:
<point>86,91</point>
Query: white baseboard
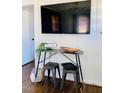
<point>93,83</point>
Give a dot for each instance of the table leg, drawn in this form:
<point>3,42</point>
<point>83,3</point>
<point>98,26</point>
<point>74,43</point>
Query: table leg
<point>38,65</point>
<point>80,67</point>
<point>44,57</point>
<point>78,76</point>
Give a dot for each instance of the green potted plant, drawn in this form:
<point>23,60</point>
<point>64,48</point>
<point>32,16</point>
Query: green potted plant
<point>40,48</point>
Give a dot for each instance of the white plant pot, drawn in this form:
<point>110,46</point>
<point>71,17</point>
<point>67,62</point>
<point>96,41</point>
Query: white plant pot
<point>39,77</point>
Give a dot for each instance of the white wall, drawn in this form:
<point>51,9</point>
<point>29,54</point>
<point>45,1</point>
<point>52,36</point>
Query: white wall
<point>27,2</point>
<point>91,44</point>
<point>27,34</point>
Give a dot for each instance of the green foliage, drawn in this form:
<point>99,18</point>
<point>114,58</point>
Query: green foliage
<point>40,48</point>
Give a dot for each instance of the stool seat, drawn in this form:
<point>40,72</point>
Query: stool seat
<point>69,66</point>
<point>51,65</point>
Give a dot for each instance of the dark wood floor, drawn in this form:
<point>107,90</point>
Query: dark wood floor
<point>29,87</point>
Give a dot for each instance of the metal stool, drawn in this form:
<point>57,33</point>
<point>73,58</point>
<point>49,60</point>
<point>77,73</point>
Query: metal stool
<point>52,66</point>
<point>72,69</point>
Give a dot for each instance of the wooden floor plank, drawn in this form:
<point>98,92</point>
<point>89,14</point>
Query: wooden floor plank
<point>29,87</point>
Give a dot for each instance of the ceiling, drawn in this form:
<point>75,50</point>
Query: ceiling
<point>66,6</point>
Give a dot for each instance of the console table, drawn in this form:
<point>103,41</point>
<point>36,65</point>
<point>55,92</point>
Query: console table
<point>53,52</point>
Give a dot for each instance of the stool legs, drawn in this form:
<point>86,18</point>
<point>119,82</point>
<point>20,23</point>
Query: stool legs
<point>43,77</point>
<point>78,76</point>
<point>76,82</point>
<point>59,72</point>
<point>76,79</point>
<point>63,79</point>
<point>48,73</point>
<point>54,76</point>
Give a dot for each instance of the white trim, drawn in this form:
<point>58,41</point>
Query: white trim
<point>93,83</point>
